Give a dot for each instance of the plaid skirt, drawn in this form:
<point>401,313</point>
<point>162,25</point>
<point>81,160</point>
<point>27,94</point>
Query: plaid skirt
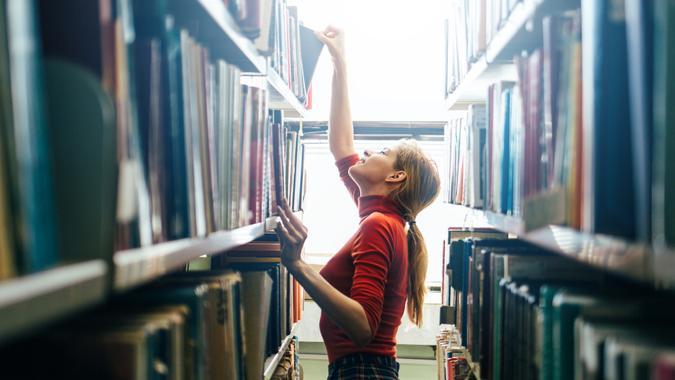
<point>364,366</point>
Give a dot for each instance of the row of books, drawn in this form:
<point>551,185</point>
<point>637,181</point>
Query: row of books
<point>524,314</point>
<point>174,143</point>
<point>209,324</point>
<point>553,142</point>
<point>451,358</point>
<point>469,28</point>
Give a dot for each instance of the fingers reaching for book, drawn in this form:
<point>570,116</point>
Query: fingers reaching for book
<point>293,219</point>
<point>334,39</point>
<point>288,226</point>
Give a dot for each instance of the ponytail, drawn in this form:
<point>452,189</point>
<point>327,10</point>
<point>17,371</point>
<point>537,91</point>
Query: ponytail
<point>418,261</point>
<point>417,192</point>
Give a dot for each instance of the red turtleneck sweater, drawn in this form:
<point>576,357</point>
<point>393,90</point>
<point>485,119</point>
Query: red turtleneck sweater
<point>372,269</point>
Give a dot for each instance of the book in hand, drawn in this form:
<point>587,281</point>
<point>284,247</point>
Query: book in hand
<point>311,48</point>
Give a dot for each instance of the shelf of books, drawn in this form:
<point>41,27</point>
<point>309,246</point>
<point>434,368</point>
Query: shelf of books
<point>32,301</point>
<point>483,52</point>
<point>272,362</point>
<point>571,159</point>
<point>541,163</point>
<point>132,144</point>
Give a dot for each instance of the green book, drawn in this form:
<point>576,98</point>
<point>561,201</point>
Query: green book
<point>663,190</point>
<point>83,141</point>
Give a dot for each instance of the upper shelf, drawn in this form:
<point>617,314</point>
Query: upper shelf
<point>221,32</point>
<point>635,261</point>
<point>282,98</point>
<point>520,31</point>
<point>134,267</point>
<point>31,301</point>
<point>225,39</point>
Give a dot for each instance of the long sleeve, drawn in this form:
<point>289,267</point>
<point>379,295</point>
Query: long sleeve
<point>343,166</point>
<point>372,255</point>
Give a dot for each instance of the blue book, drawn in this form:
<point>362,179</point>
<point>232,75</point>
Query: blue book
<point>610,198</point>
<point>506,153</point>
<point>663,207</point>
<point>640,34</point>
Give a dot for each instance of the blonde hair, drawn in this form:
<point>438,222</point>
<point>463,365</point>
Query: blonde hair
<point>418,191</point>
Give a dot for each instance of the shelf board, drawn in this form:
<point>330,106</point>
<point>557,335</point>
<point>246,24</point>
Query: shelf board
<point>635,261</point>
<point>222,32</point>
<point>282,98</point>
<point>474,86</point>
<point>29,302</point>
<point>272,362</point>
<point>137,266</point>
<point>513,35</point>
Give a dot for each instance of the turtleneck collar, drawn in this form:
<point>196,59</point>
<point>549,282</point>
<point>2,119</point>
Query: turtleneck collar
<point>378,203</point>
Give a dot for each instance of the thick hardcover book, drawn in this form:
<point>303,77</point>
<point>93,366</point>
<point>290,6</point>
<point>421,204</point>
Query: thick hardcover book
<point>610,196</point>
<point>640,36</point>
<point>82,138</point>
<point>663,202</point>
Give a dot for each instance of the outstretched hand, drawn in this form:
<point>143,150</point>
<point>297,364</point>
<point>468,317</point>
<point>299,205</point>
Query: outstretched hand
<point>334,39</point>
<point>292,235</point>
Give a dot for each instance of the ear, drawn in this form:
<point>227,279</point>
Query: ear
<point>396,177</point>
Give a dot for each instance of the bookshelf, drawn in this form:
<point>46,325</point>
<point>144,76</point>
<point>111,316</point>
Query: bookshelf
<point>30,302</point>
<point>272,362</point>
<point>531,155</point>
<point>107,273</point>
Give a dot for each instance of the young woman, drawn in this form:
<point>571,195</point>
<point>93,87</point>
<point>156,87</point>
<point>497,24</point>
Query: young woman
<point>363,289</point>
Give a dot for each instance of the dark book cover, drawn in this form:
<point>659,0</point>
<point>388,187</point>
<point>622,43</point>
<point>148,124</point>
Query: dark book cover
<point>610,204</point>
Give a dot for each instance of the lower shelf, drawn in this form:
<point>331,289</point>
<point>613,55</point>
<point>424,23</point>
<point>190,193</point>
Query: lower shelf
<point>137,266</point>
<point>29,302</point>
<point>638,262</point>
<point>272,362</point>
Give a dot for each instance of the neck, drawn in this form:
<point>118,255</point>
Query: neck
<point>375,190</point>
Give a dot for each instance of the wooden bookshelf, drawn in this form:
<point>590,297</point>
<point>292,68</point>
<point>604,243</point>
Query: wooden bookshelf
<point>32,301</point>
<point>272,362</point>
<point>282,98</point>
<point>519,32</point>
<point>137,266</point>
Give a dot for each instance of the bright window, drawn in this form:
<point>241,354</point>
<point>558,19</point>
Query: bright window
<point>332,218</point>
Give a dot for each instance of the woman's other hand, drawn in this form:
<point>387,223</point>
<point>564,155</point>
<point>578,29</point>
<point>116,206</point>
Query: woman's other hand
<point>334,39</point>
<point>292,235</point>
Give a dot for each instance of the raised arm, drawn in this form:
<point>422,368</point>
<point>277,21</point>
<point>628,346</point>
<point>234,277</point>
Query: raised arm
<point>340,128</point>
